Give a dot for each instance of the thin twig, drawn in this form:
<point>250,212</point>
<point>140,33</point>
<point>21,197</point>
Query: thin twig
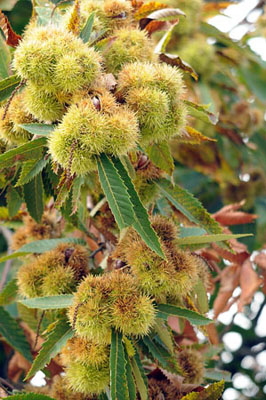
<point>38,329</point>
<point>22,83</point>
<point>4,383</point>
<point>68,172</point>
<point>55,7</point>
<point>76,314</point>
<point>100,248</point>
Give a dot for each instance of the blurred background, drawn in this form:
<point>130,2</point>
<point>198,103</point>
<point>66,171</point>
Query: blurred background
<point>243,334</point>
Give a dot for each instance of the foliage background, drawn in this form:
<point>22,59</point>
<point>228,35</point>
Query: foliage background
<point>243,333</point>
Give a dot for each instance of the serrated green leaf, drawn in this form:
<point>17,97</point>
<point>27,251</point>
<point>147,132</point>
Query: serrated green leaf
<point>49,302</point>
<point>212,392</point>
<point>28,151</point>
<point>7,86</point>
<point>202,298</point>
<point>29,316</point>
<point>164,310</point>
<point>188,240</point>
<point>9,292</point>
<point>13,334</point>
<point>4,57</point>
<point>139,375</point>
<point>188,205</point>
<point>164,358</point>
<point>39,129</point>
<point>201,112</point>
<point>86,31</point>
<point>214,374</point>
<point>56,339</point>
<point>14,201</point>
<point>160,155</point>
<point>29,396</point>
<point>128,166</point>
<point>115,192</point>
<point>33,196</point>
<point>163,332</point>
<point>119,390</point>
<point>41,246</point>
<point>30,169</point>
<point>130,380</point>
<point>141,223</point>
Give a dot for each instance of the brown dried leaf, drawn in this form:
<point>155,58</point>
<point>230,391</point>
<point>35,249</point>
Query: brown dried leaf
<point>260,260</point>
<point>17,365</point>
<point>176,61</point>
<point>229,215</point>
<point>12,39</point>
<point>249,283</point>
<point>212,334</point>
<point>229,281</point>
<point>238,258</point>
<point>148,8</point>
<point>152,26</point>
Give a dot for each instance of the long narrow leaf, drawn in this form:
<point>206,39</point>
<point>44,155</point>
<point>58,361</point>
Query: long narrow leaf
<point>164,310</point>
<point>115,192</point>
<point>188,205</point>
<point>164,358</point>
<point>7,86</point>
<point>34,197</point>
<point>130,380</point>
<point>119,390</point>
<point>142,223</point>
<point>51,347</point>
<point>49,302</point>
<point>86,31</point>
<point>13,334</point>
<point>188,240</point>
<point>29,396</point>
<point>28,151</point>
<point>9,292</point>
<point>30,169</point>
<point>140,377</point>
<point>39,129</point>
<point>40,246</point>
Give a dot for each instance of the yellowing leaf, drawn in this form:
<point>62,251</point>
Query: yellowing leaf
<point>210,7</point>
<point>148,8</point>
<point>212,392</point>
<point>74,23</point>
<point>192,136</point>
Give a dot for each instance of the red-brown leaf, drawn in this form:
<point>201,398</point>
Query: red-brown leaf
<point>12,39</point>
<point>250,281</point>
<point>260,260</point>
<point>229,281</point>
<point>229,215</point>
<point>238,258</point>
